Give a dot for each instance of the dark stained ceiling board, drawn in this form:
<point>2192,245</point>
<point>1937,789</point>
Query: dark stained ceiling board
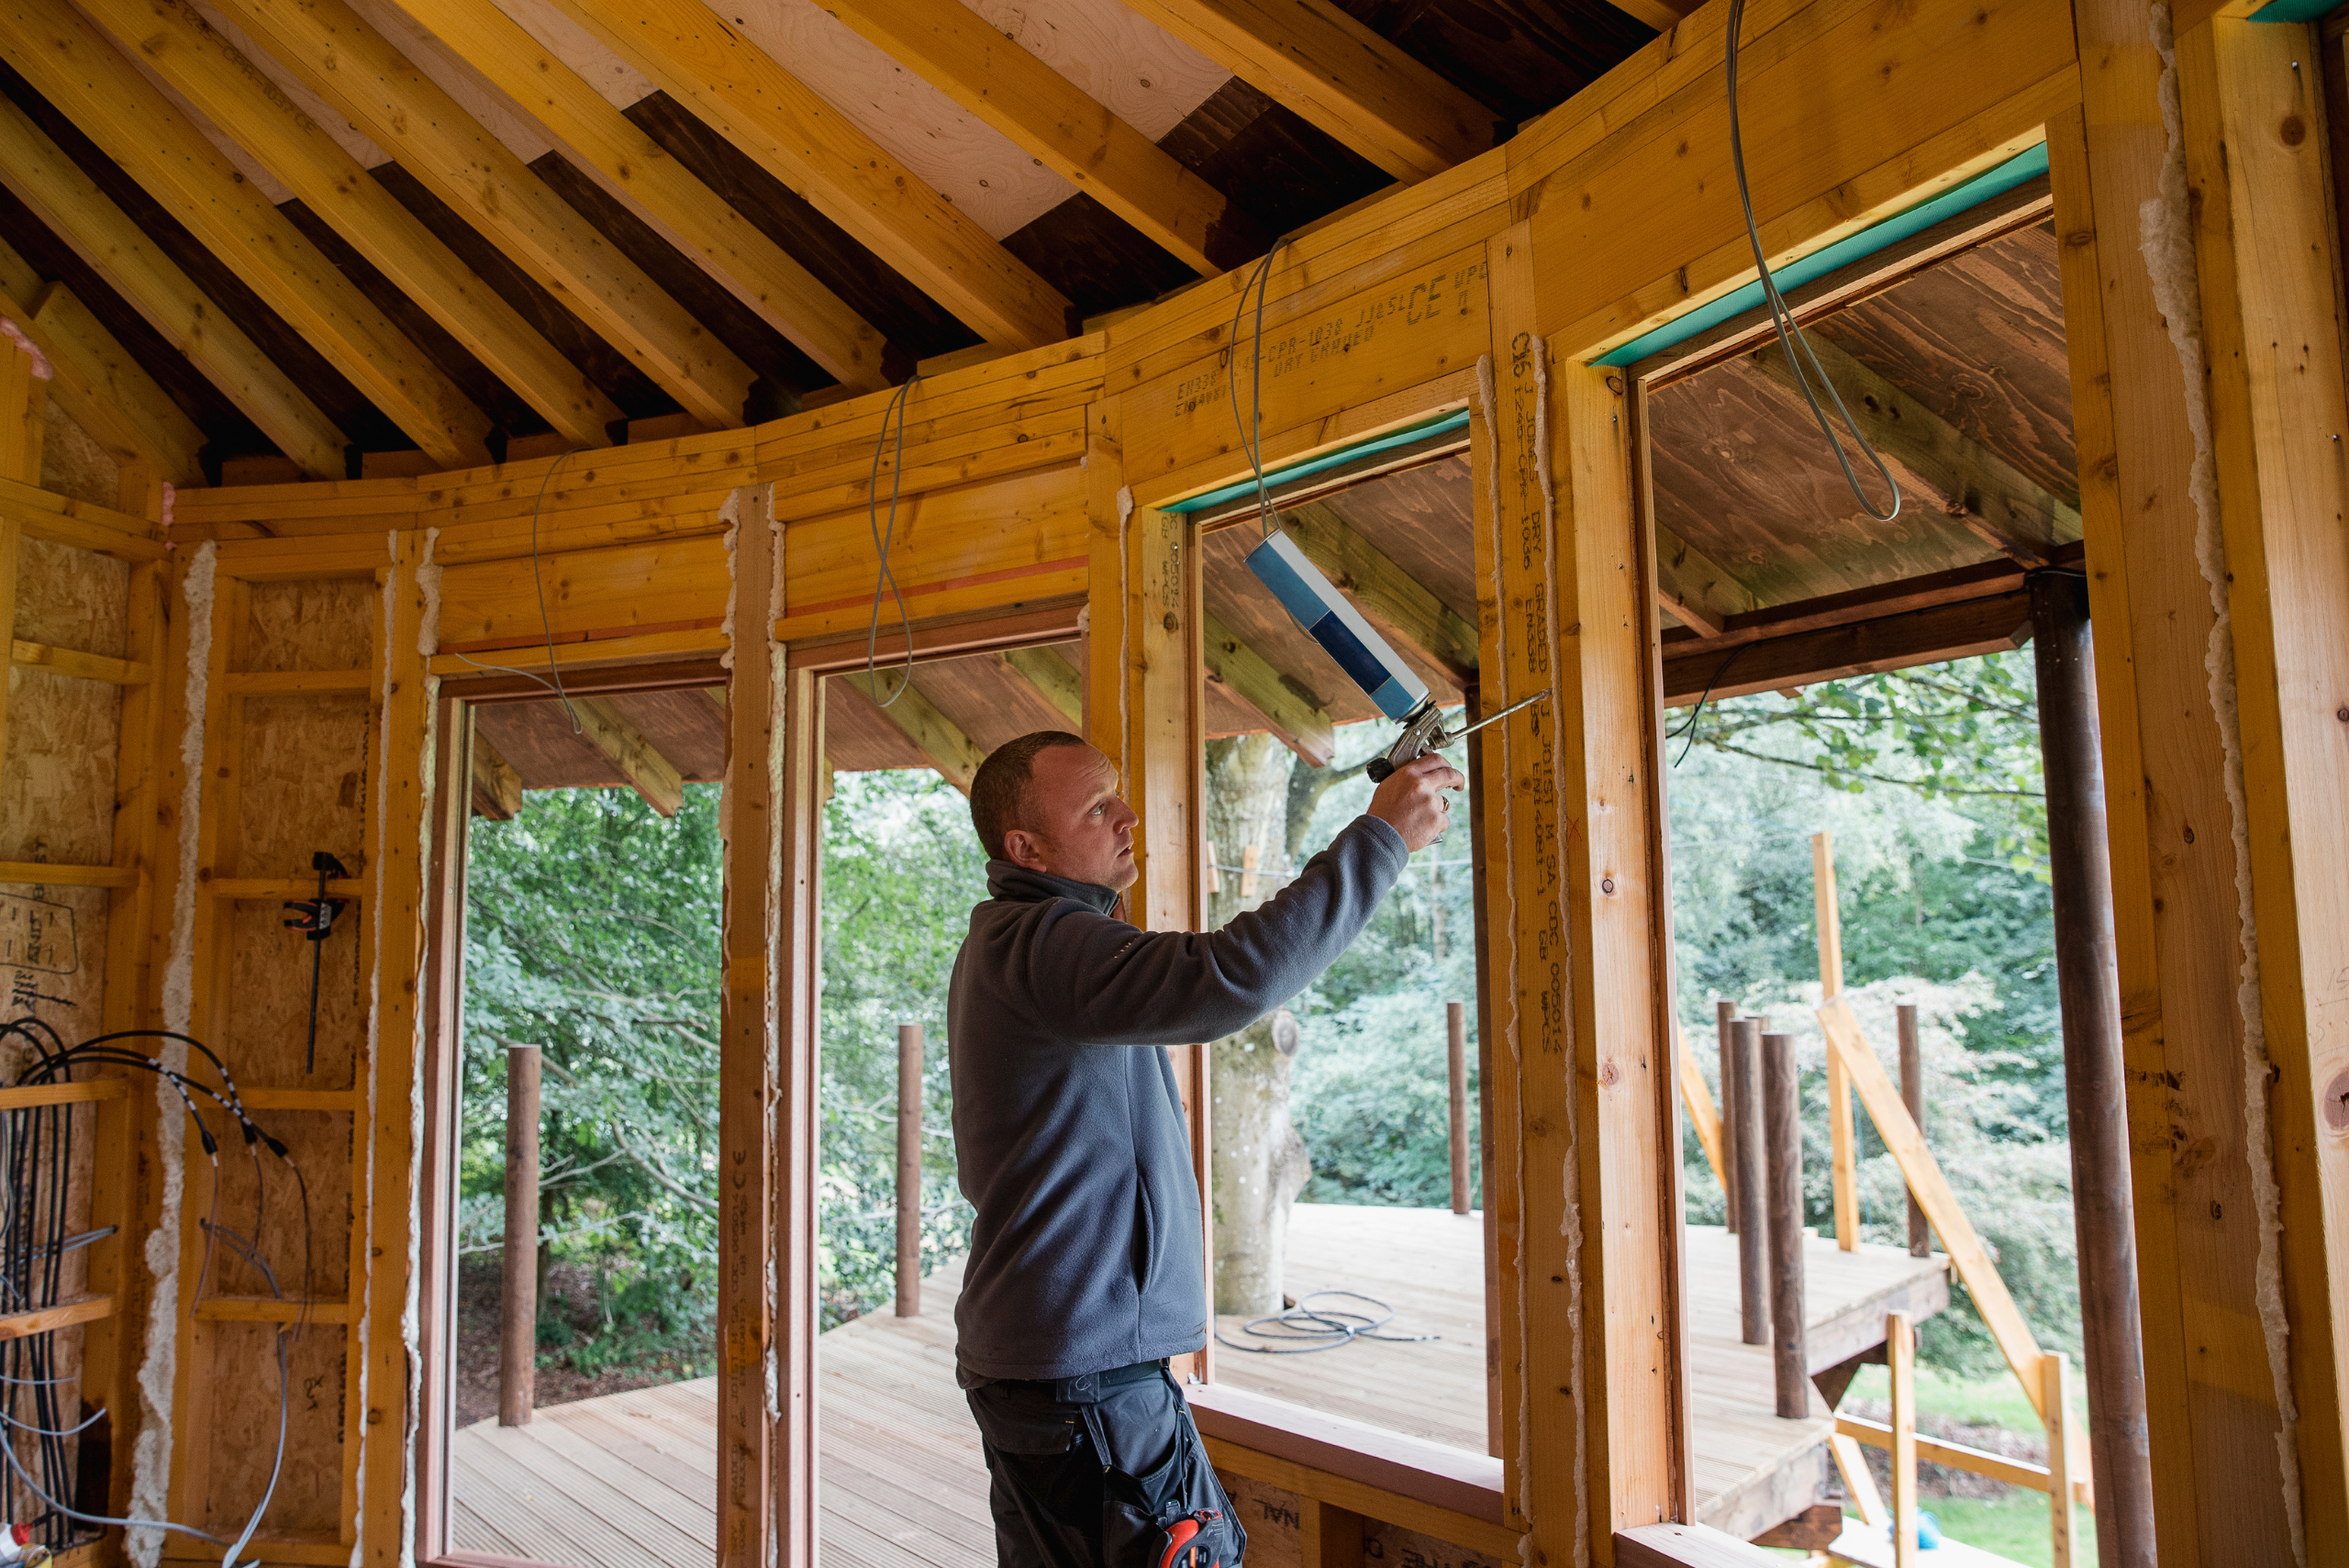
<point>636,394</point>
<point>761,346</point>
<point>1420,518</point>
<point>1267,161</point>
<point>987,699</point>
<point>1742,474</point>
<point>535,738</point>
<point>224,426</point>
<point>1095,257</point>
<point>475,379</point>
<point>916,326</point>
<point>1979,340</point>
<point>359,420</point>
<point>1518,57</point>
<point>859,737</point>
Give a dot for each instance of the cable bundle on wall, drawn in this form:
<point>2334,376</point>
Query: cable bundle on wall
<point>36,1162</point>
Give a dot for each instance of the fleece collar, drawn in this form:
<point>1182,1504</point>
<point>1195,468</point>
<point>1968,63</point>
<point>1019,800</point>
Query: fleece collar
<point>1008,880</point>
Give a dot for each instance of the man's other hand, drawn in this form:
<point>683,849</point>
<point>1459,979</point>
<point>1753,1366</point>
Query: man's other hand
<point>1412,802</point>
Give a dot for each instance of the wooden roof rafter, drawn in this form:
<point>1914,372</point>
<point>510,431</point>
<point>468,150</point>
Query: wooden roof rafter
<point>79,71</point>
<point>213,75</point>
<point>1340,75</point>
<point>1054,678</point>
<point>391,100</point>
<point>653,777</point>
<point>817,152</point>
<point>951,752</point>
<point>1290,709</point>
<point>2007,510</point>
<point>40,176</point>
<point>732,250</point>
<point>1051,117</point>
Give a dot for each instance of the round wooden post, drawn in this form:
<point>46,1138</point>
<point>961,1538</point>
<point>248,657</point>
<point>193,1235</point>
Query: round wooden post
<point>518,1341</point>
<point>1781,1136</point>
<point>2095,1080</point>
<point>1753,1225</point>
<point>1725,1015</point>
<point>908,1169</point>
<point>1912,1093</point>
<point>1455,1017</point>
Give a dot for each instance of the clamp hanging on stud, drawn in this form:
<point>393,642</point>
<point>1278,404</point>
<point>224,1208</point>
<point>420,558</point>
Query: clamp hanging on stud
<point>314,917</point>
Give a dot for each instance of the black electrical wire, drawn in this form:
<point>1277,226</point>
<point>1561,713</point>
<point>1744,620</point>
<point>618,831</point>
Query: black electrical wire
<point>36,1161</point>
<point>1791,340</point>
<point>1331,1327</point>
<point>881,540</point>
<point>1252,435</point>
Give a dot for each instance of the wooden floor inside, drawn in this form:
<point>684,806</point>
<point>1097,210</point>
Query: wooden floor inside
<point>630,1480</point>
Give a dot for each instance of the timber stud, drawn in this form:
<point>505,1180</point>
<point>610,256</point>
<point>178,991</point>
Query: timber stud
<point>2336,1103</point>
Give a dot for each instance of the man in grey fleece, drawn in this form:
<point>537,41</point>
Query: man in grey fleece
<point>1086,1271</point>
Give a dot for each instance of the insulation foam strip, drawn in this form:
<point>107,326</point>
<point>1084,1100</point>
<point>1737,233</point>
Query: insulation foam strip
<point>428,643</point>
<point>159,1365</point>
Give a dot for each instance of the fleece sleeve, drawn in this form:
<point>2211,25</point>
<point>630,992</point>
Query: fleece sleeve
<point>1100,981</point>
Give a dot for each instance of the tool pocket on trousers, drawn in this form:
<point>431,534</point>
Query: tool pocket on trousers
<point>1174,1516</point>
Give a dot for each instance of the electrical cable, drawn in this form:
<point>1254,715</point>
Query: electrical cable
<point>1690,729</point>
<point>882,541</point>
<point>1252,440</point>
<point>1791,339</point>
<point>1333,1326</point>
<point>546,624</point>
<point>36,1151</point>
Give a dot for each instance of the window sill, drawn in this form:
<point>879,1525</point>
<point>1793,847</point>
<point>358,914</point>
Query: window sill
<point>1447,1493</point>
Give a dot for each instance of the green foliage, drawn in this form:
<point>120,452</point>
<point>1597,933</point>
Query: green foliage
<point>902,868</point>
<point>591,932</point>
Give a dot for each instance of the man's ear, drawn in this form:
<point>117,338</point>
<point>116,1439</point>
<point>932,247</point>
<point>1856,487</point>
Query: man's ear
<point>1023,848</point>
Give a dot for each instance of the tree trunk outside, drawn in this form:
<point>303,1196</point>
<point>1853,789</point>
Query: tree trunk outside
<point>1260,1163</point>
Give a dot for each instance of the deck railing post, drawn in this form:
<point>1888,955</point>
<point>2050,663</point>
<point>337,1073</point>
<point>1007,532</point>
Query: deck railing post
<point>1455,1018</point>
<point>1753,1225</point>
<point>1782,1138</point>
<point>908,1169</point>
<point>1724,1016</point>
<point>1912,1093</point>
<point>518,1342</point>
<point>1900,1359</point>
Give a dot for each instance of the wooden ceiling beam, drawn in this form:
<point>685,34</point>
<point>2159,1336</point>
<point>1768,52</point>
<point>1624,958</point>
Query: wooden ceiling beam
<point>1289,706</point>
<point>1049,671</point>
<point>727,246</point>
<point>1695,587</point>
<point>40,176</point>
<point>77,68</point>
<point>100,389</point>
<point>1338,75</point>
<point>496,787</point>
<point>215,77</point>
<point>2013,514</point>
<point>648,773</point>
<point>1384,589</point>
<point>778,122</point>
<point>1962,629</point>
<point>955,754</point>
<point>1052,119</point>
<point>392,103</point>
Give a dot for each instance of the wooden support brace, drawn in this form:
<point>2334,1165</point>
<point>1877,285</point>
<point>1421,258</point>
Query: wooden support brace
<point>1293,711</point>
<point>955,754</point>
<point>1839,1089</point>
<point>647,771</point>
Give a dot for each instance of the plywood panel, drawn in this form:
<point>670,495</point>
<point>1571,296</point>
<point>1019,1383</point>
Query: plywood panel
<point>266,1005</point>
<point>318,624</point>
<point>240,1365</point>
<point>304,782</point>
<point>319,1143</point>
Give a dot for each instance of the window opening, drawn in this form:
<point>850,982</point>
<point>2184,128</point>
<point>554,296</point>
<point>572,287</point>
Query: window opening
<point>1344,1280</point>
<point>1862,909</point>
<point>584,1422</point>
<point>900,1476</point>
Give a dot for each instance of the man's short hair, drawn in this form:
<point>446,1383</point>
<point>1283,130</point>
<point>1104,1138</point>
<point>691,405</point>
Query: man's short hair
<point>999,789</point>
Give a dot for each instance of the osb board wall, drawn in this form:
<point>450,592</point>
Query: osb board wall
<point>73,464</point>
<point>304,782</point>
<point>1270,1516</point>
<point>57,782</point>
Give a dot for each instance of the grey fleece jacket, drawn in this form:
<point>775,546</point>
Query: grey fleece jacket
<point>1068,1128</point>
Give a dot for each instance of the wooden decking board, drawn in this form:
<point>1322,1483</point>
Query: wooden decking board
<point>630,1480</point>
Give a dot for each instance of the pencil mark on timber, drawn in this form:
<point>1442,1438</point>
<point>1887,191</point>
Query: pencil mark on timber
<point>1434,297</point>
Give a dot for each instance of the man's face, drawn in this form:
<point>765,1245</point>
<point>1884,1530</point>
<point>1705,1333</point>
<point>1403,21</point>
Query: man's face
<point>1074,825</point>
